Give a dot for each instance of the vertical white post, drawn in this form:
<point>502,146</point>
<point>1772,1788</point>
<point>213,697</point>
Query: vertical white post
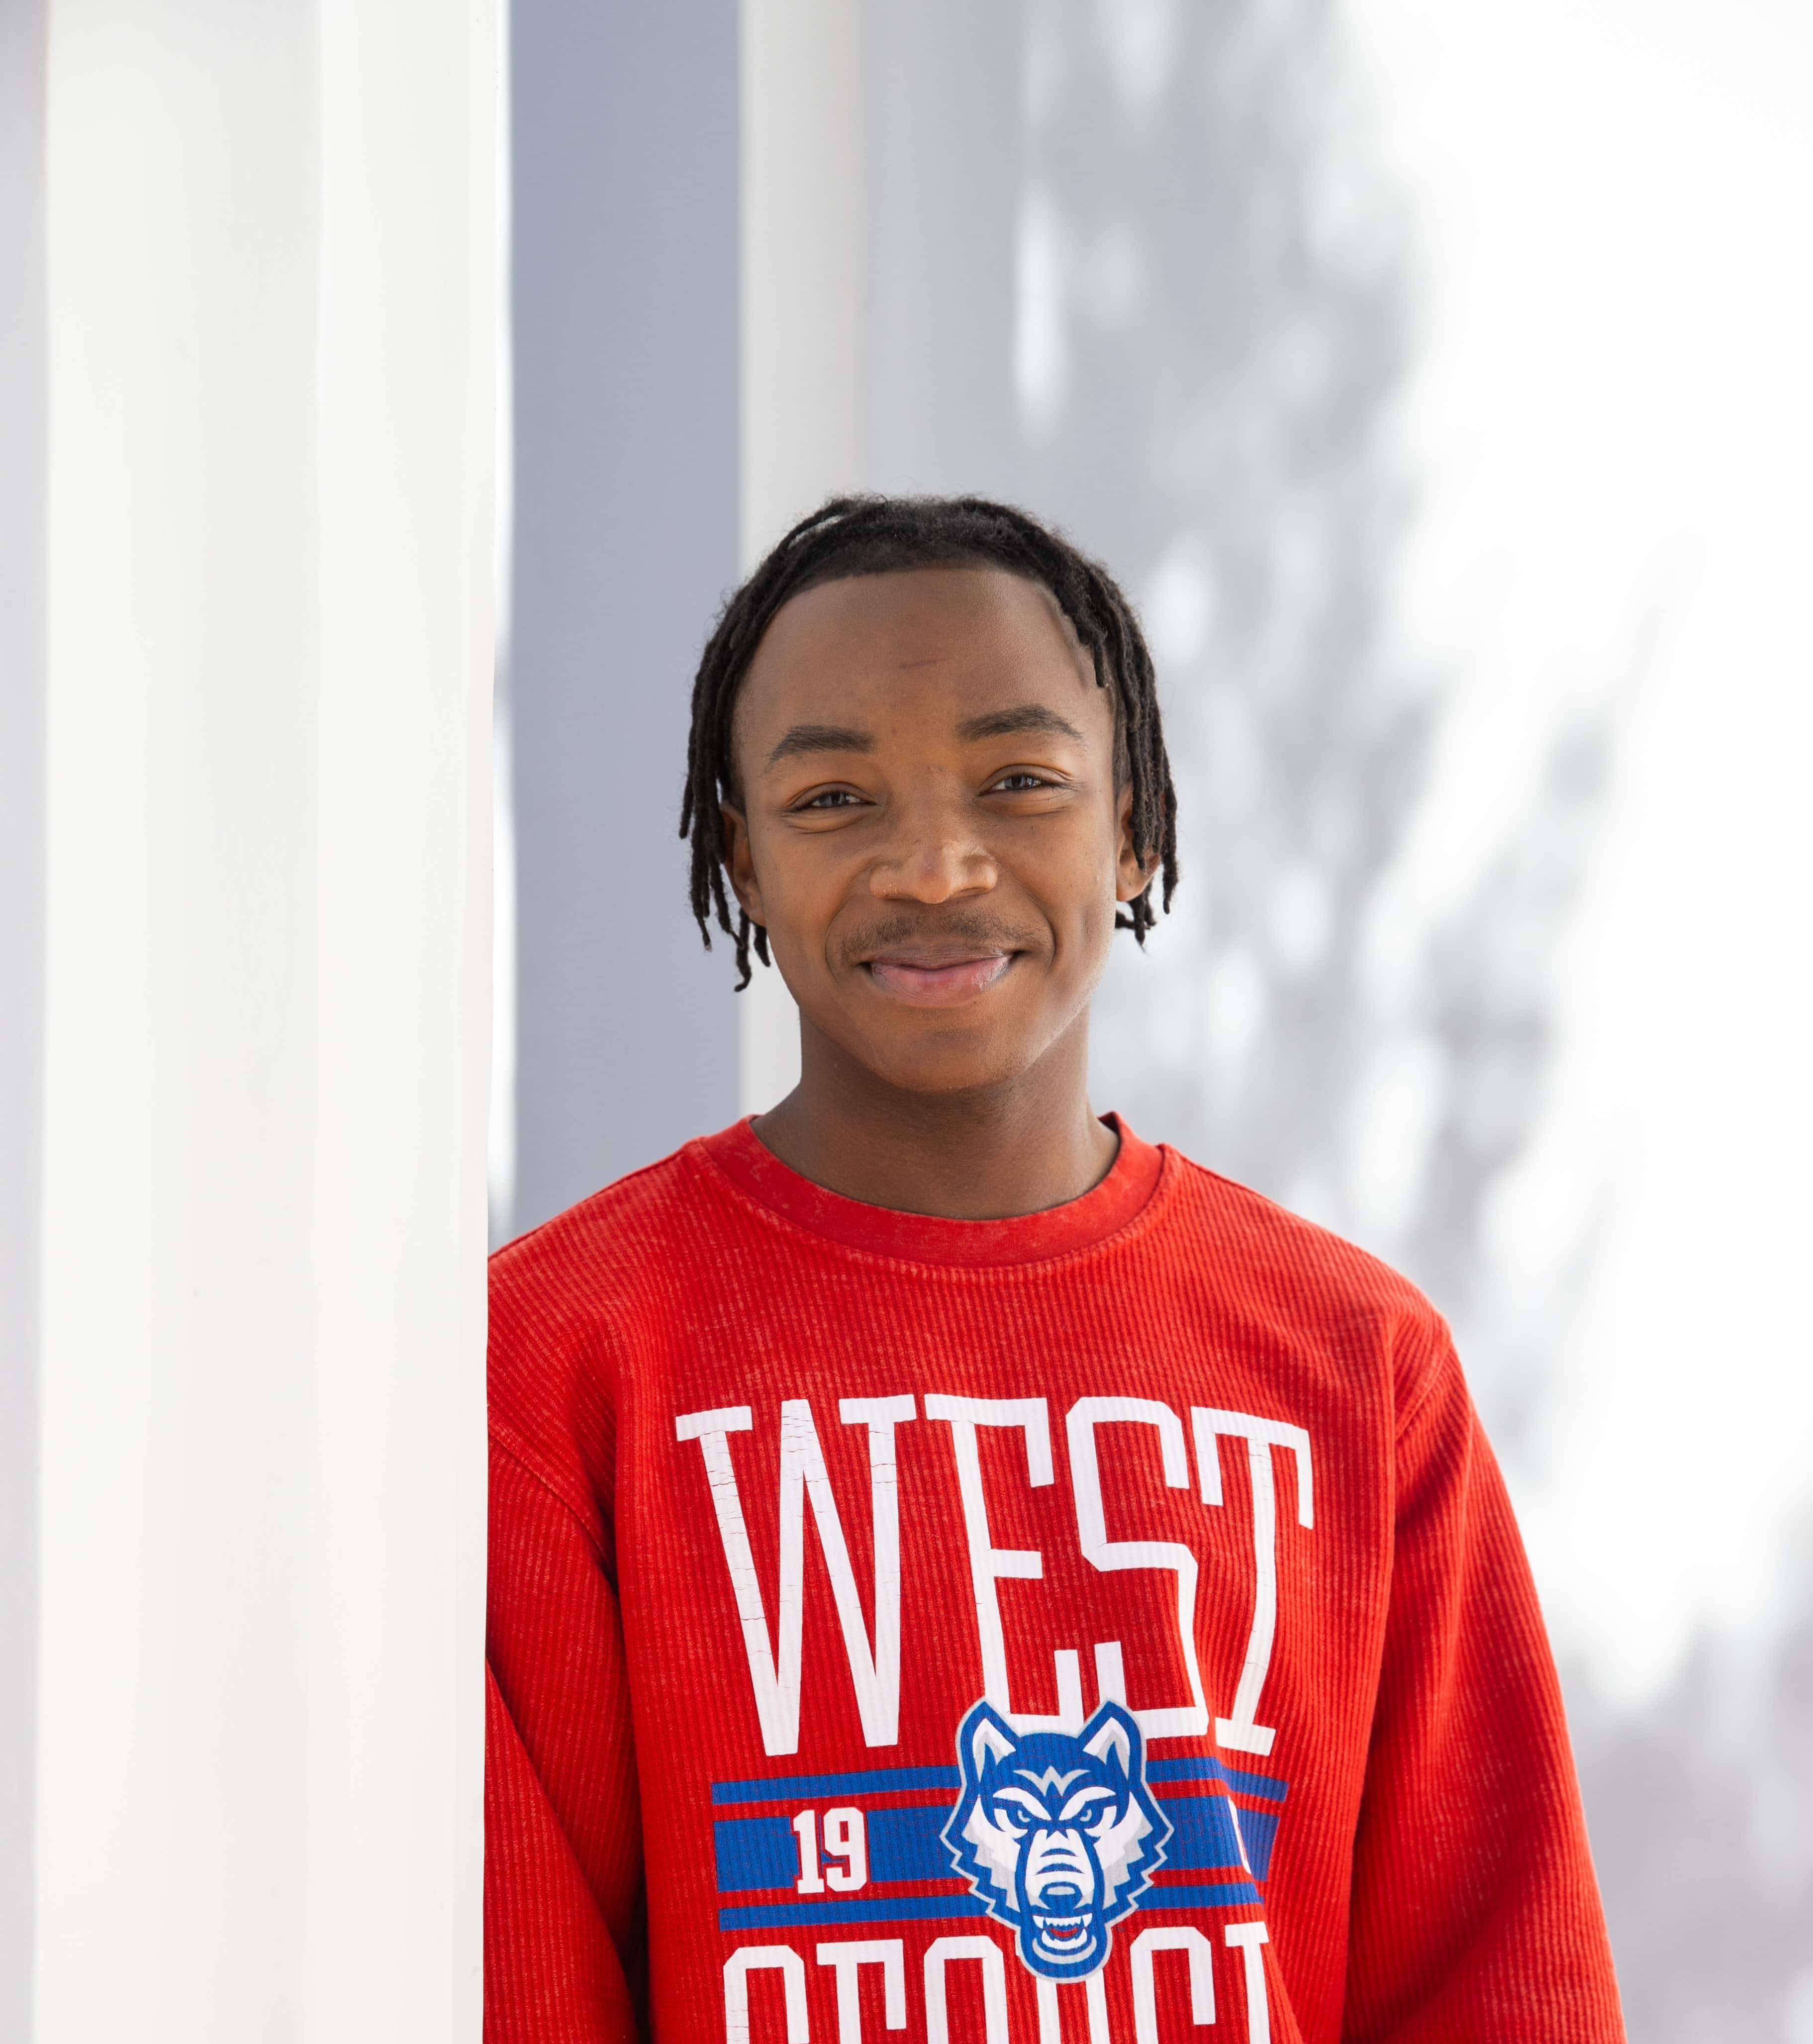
<point>272,308</point>
<point>409,320</point>
<point>21,964</point>
<point>802,388</point>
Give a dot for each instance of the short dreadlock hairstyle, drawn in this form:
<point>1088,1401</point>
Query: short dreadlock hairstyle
<point>868,536</point>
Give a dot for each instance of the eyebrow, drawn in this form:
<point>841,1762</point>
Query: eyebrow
<point>805,738</point>
<point>1030,718</point>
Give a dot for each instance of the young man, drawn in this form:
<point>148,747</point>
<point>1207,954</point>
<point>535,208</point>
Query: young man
<point>955,1568</point>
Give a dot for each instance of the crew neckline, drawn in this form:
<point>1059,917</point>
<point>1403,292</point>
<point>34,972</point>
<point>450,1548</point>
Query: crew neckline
<point>1126,1188</point>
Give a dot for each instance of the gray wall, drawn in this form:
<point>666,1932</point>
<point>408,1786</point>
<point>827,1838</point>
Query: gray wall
<point>21,958</point>
<point>944,175</point>
<point>625,164</point>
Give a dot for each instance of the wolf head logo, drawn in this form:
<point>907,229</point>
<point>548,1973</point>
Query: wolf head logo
<point>1056,1833</point>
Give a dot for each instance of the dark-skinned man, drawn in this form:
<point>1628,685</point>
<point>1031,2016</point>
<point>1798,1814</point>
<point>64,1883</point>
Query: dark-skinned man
<point>956,1568</point>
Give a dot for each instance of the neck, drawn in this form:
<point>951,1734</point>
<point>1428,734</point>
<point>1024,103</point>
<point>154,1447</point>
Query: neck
<point>1018,1147</point>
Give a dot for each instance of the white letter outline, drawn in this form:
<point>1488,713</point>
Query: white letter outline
<point>752,1958</point>
<point>890,1955</point>
<point>1171,1937</point>
<point>989,1564</point>
<point>775,1667</point>
<point>1179,1721</point>
<point>1241,1733</point>
<point>1247,1938</point>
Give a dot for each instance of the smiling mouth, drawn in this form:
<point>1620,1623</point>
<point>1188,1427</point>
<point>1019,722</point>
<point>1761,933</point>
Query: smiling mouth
<point>926,982</point>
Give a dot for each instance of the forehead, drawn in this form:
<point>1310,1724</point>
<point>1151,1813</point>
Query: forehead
<point>917,646</point>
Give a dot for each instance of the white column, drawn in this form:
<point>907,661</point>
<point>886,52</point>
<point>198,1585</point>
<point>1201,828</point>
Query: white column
<point>21,962</point>
<point>273,300</point>
<point>802,381</point>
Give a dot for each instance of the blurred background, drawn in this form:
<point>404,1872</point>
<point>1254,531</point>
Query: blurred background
<point>1436,379</point>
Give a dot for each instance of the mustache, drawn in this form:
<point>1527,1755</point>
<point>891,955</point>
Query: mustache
<point>954,930</point>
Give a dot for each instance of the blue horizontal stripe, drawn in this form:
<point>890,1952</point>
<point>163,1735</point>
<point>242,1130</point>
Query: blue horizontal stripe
<point>1223,1896</point>
<point>1207,1770</point>
<point>762,1852</point>
<point>902,1909</point>
<point>1202,1833</point>
<point>755,1853</point>
<point>827,1787</point>
<point>905,1845</point>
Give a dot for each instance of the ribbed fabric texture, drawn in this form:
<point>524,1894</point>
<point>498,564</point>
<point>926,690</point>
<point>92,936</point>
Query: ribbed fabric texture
<point>1167,1423</point>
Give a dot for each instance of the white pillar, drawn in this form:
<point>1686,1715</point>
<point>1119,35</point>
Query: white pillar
<point>21,962</point>
<point>802,388</point>
<point>272,315</point>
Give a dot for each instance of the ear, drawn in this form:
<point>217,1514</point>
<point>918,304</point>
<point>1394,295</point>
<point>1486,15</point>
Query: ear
<point>985,1741</point>
<point>1112,1737</point>
<point>1131,877</point>
<point>739,862</point>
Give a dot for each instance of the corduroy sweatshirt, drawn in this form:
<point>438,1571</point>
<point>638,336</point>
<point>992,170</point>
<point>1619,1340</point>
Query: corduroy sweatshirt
<point>1097,1625</point>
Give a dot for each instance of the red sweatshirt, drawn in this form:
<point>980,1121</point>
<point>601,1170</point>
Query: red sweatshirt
<point>1098,1625</point>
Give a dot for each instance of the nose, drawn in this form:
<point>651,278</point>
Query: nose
<point>932,854</point>
<point>1058,1864</point>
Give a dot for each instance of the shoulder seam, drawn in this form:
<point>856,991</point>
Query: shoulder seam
<point>671,1161</point>
<point>1408,1418</point>
<point>1292,1219</point>
<point>517,1455</point>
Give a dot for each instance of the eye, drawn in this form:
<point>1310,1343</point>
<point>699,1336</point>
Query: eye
<point>1083,1800</point>
<point>830,798</point>
<point>1022,780</point>
<point>1032,1810</point>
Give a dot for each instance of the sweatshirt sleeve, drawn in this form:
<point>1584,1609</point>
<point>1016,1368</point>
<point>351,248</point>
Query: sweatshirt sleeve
<point>563,1892</point>
<point>1475,1910</point>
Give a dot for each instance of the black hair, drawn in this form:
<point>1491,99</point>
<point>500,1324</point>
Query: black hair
<point>867,536</point>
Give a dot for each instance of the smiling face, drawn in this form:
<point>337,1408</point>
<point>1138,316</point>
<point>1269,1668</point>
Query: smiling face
<point>928,826</point>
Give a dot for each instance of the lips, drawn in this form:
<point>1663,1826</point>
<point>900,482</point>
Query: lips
<point>926,981</point>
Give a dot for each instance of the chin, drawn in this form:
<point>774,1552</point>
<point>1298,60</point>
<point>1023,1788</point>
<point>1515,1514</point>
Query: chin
<point>941,1053</point>
<point>945,1069</point>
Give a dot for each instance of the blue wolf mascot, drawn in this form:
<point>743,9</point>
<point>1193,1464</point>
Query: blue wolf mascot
<point>1056,1833</point>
